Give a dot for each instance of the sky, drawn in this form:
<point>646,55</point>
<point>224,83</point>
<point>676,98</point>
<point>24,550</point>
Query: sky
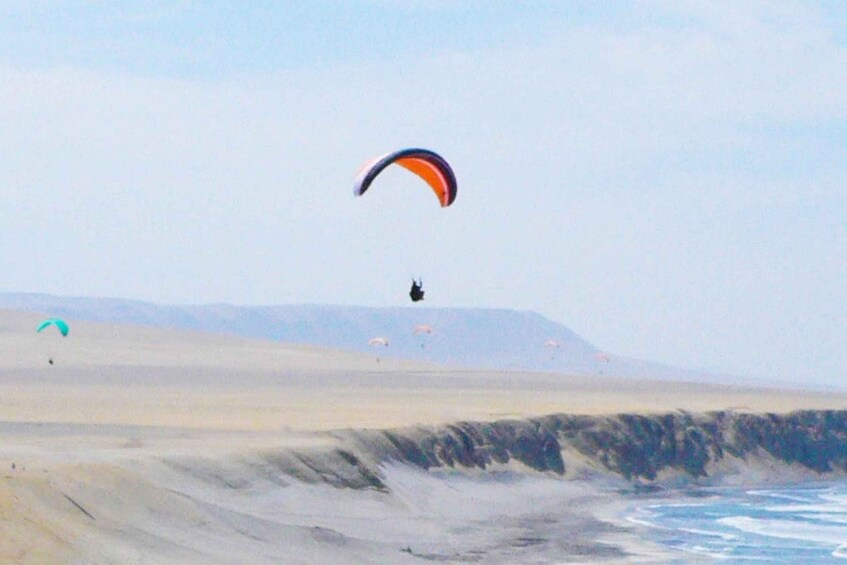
<point>667,179</point>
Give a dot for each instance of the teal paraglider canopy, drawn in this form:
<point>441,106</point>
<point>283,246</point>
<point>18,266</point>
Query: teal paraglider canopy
<point>60,324</point>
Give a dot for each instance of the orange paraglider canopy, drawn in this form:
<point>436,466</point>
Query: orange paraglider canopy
<point>426,164</point>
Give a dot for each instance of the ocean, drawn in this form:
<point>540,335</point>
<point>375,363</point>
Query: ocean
<point>799,524</point>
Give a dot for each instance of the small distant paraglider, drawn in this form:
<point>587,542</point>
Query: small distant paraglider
<point>601,358</point>
<point>378,342</point>
<point>422,330</point>
<point>431,167</point>
<point>552,345</point>
<point>60,325</point>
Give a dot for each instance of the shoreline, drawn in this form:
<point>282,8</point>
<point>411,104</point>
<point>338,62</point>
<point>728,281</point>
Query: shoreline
<point>461,492</point>
<point>187,447</point>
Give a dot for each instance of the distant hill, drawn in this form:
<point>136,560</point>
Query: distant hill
<point>465,337</point>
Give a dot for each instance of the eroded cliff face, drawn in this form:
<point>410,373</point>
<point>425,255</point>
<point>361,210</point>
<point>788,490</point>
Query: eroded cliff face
<point>639,448</point>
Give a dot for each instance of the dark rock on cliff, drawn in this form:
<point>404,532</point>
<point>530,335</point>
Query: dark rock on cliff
<point>639,448</point>
<point>636,447</point>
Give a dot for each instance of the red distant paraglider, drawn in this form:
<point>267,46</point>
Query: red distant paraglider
<point>601,358</point>
<point>422,329</point>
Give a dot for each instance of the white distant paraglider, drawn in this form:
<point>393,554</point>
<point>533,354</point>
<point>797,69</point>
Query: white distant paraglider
<point>378,342</point>
<point>552,345</point>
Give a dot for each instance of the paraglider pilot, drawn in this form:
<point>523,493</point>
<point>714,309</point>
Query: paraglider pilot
<point>417,292</point>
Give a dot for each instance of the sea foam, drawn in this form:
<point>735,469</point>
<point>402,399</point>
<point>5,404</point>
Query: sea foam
<point>783,525</point>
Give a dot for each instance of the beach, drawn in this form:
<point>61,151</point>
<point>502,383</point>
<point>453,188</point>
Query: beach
<point>148,445</point>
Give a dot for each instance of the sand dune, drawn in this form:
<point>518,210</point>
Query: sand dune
<point>127,375</point>
<point>132,447</point>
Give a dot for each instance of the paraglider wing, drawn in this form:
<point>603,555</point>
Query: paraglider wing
<point>383,341</point>
<point>427,164</point>
<point>422,329</point>
<point>61,325</point>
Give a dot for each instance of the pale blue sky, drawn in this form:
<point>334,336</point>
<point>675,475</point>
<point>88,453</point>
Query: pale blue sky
<point>669,179</point>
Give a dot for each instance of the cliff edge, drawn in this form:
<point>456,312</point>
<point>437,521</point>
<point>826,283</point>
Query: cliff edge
<point>644,449</point>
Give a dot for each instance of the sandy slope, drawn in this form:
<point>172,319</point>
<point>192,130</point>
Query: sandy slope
<point>121,449</point>
<point>107,374</point>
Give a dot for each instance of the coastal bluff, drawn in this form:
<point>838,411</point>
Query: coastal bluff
<point>637,447</point>
<point>170,446</point>
<point>388,495</point>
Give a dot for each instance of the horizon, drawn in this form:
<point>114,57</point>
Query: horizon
<point>665,179</point>
<point>530,359</point>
